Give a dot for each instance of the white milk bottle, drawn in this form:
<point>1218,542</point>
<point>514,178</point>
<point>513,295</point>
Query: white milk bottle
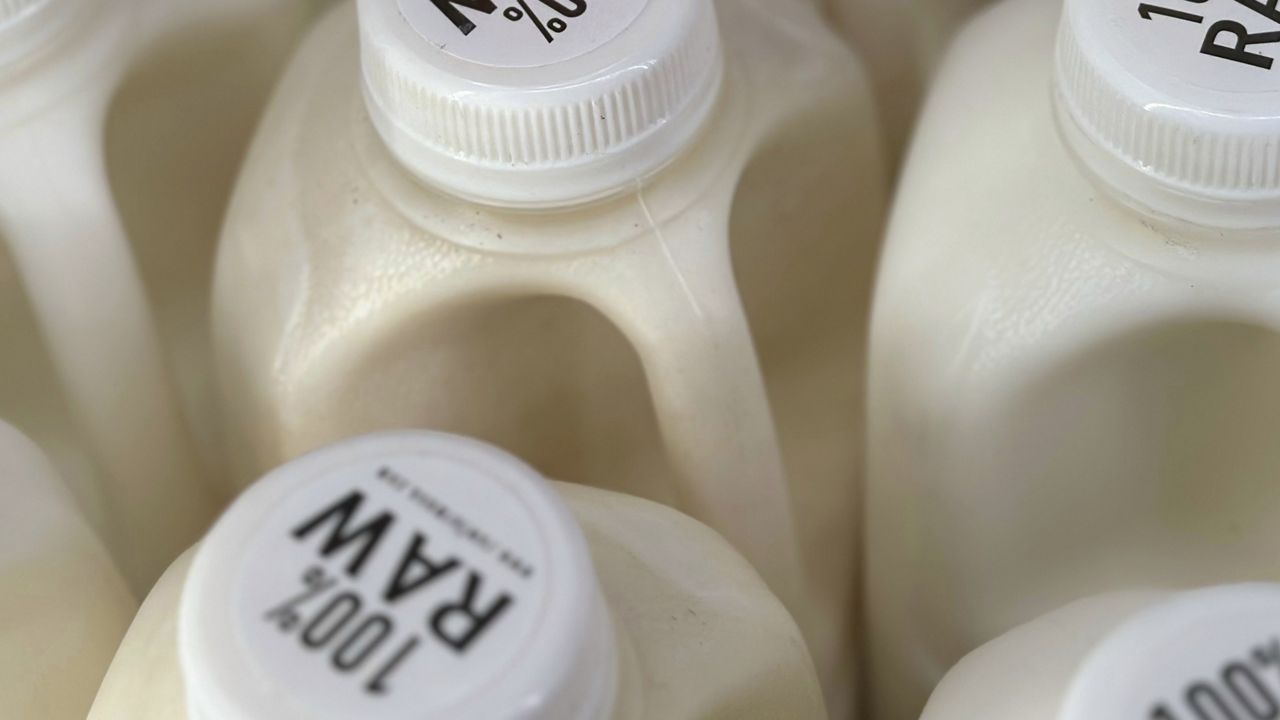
<point>413,574</point>
<point>121,126</point>
<point>623,240</point>
<point>1076,326</point>
<point>1211,654</point>
<point>63,606</point>
<point>901,42</point>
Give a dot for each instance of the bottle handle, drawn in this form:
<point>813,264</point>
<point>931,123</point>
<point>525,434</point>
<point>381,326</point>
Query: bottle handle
<point>673,294</point>
<point>65,236</point>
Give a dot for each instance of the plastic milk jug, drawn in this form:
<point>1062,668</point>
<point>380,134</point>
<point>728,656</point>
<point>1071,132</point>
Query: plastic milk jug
<point>1076,326</point>
<point>64,604</point>
<point>122,124</point>
<point>1211,653</point>
<point>623,240</point>
<point>421,575</point>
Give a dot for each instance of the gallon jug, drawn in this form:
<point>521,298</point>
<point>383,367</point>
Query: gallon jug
<point>901,42</point>
<point>122,124</point>
<point>637,246</point>
<point>1076,326</point>
<point>1208,654</point>
<point>65,607</point>
<point>415,575</point>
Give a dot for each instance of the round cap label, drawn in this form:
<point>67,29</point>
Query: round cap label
<point>1216,45</point>
<point>1208,655</point>
<point>519,33</point>
<point>392,587</point>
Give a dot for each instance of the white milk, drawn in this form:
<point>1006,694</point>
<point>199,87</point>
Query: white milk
<point>901,42</point>
<point>1212,653</point>
<point>1076,330</point>
<point>64,606</point>
<point>121,127</point>
<point>421,575</point>
<point>662,268</point>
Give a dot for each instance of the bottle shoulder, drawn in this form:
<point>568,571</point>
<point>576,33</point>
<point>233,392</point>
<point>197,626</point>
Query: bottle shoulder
<point>704,627</point>
<point>1025,673</point>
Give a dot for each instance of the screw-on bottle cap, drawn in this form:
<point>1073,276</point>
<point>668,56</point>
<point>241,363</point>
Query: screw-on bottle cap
<point>400,576</point>
<point>1176,105</point>
<point>538,103</point>
<point>1211,653</point>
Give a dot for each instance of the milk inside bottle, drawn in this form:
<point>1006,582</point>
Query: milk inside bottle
<point>121,126</point>
<point>64,606</point>
<point>421,575</point>
<point>1084,395</point>
<point>1156,655</point>
<point>630,242</point>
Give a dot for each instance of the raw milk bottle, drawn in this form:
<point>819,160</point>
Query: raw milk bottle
<point>1076,326</point>
<point>414,574</point>
<point>65,607</point>
<point>627,241</point>
<point>121,125</point>
<point>1153,655</point>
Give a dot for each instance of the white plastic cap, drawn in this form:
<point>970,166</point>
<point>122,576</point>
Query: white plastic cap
<point>538,103</point>
<point>1211,653</point>
<point>400,576</point>
<point>1176,105</point>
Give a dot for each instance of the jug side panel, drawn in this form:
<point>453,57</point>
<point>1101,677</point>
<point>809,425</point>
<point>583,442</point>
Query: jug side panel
<point>979,205</point>
<point>1148,457</point>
